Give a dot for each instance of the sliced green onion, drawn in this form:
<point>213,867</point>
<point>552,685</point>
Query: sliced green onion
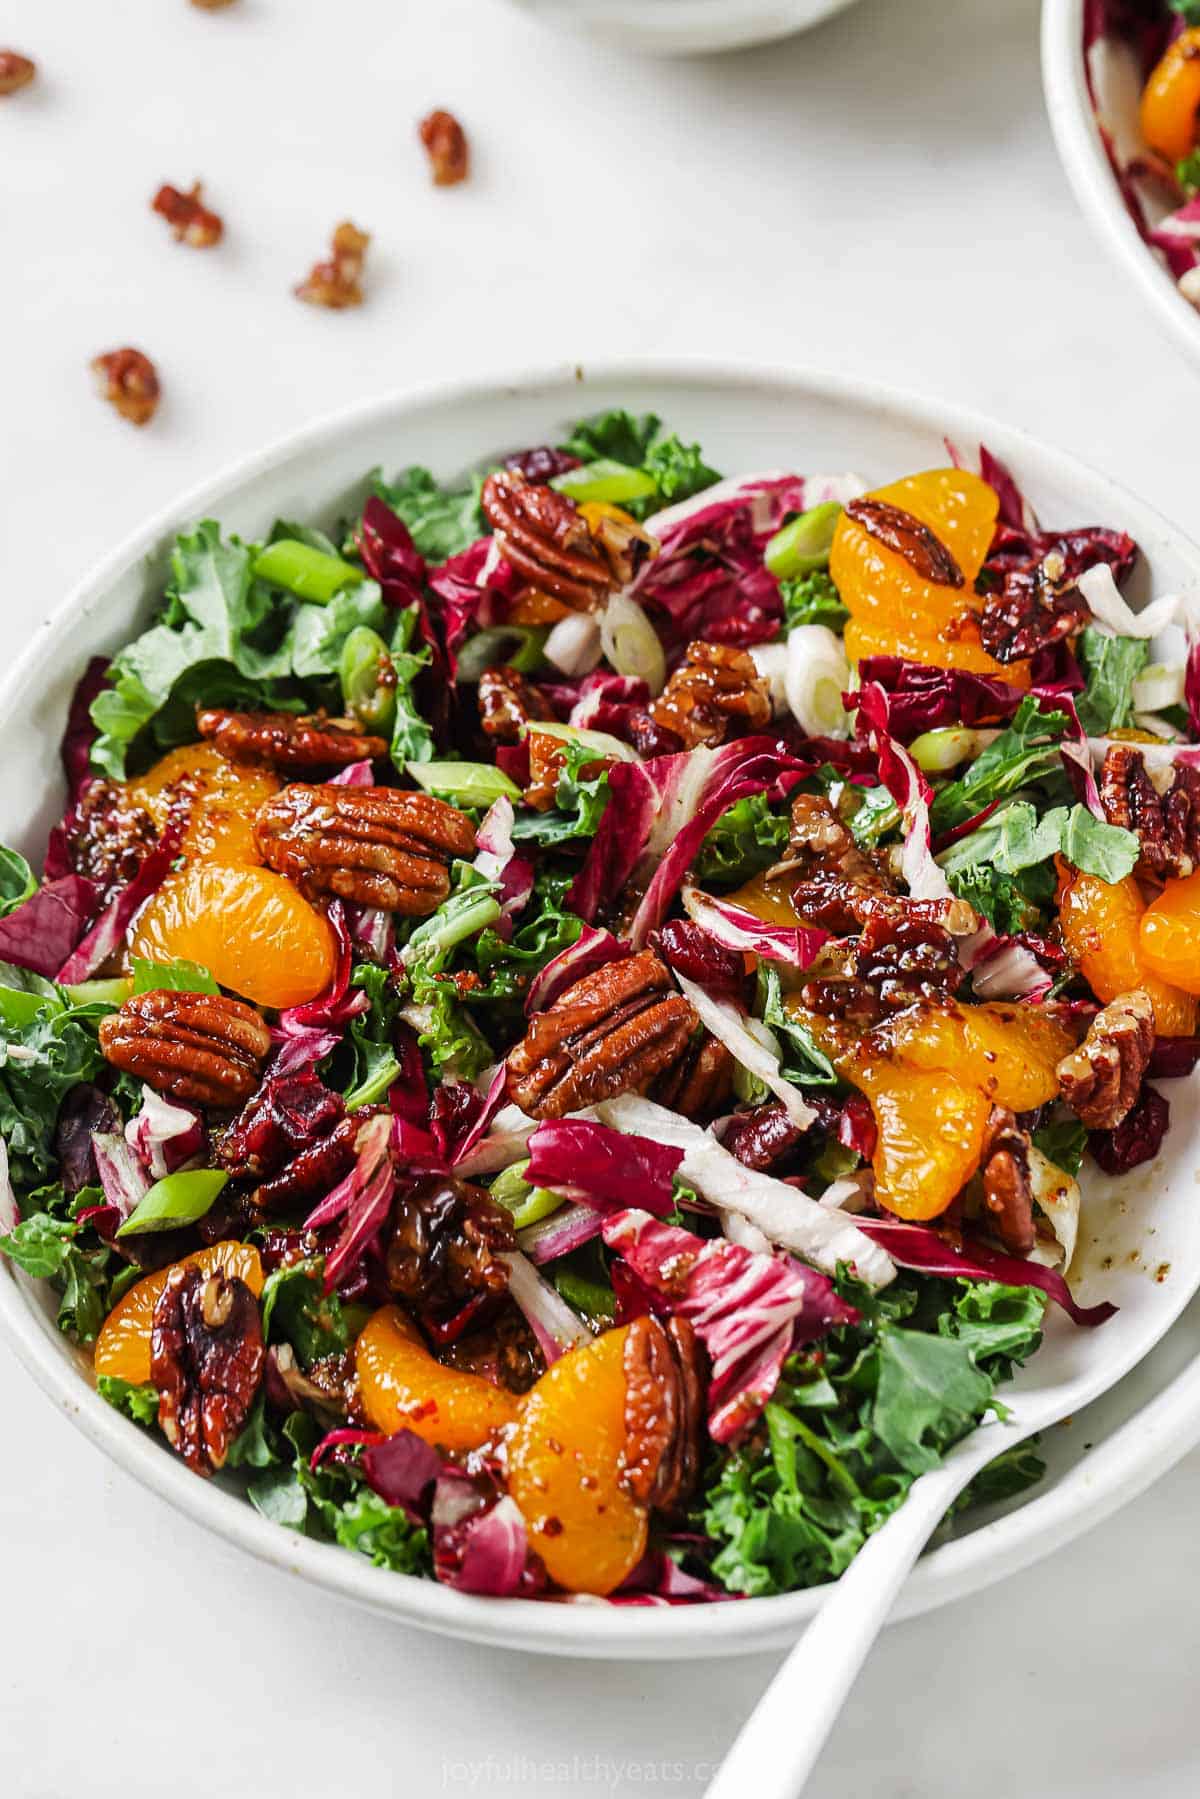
<point>99,993</point>
<point>939,751</point>
<point>528,1205</point>
<point>457,918</point>
<point>373,1090</point>
<point>368,679</point>
<point>612,482</point>
<point>310,574</point>
<point>179,976</point>
<point>611,748</point>
<point>466,783</point>
<point>178,1199</point>
<point>804,543</point>
<point>631,643</point>
<point>591,1299</point>
<point>501,646</point>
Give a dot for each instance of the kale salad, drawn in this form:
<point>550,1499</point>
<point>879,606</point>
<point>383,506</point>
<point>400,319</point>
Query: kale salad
<point>556,1040</point>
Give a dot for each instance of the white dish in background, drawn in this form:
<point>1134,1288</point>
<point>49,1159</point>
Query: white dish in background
<point>744,418</point>
<point>685,27</point>
<point>1085,159</point>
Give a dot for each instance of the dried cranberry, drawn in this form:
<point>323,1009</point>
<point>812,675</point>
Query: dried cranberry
<point>688,948</point>
<point>856,1126</point>
<point>541,463</point>
<point>763,1137</point>
<point>289,1113</point>
<point>1173,1056</point>
<point>1137,1138</point>
<point>649,738</point>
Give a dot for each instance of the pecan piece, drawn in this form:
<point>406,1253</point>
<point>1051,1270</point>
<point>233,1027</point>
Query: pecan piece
<point>446,142</point>
<point>447,1238</point>
<point>700,1083</point>
<point>373,845</point>
<point>199,1047</point>
<point>284,741</point>
<point>190,219</point>
<point>545,537</point>
<point>716,687</point>
<point>822,850</point>
<point>1035,607</point>
<point>905,958</point>
<point>128,380</point>
<point>664,1390</point>
<point>1101,1080</point>
<point>900,532</point>
<point>1166,825</point>
<point>610,1033</point>
<point>206,1359</point>
<point>508,703</point>
<point>337,283</point>
<point>16,71</point>
<point>1007,1190</point>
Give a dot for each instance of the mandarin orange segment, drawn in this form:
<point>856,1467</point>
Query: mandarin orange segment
<point>1170,111</point>
<point>965,651</point>
<point>220,796</point>
<point>874,580</point>
<point>248,926</point>
<point>404,1388</point>
<point>769,900</point>
<point>1101,928</point>
<point>1010,1053</point>
<point>931,1130</point>
<point>123,1344</point>
<point>564,1462</point>
<point>1169,934</point>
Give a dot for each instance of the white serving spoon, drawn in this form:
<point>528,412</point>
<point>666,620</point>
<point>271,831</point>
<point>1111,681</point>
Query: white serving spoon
<point>1140,1246</point>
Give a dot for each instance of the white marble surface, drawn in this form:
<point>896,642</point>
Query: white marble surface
<point>881,196</point>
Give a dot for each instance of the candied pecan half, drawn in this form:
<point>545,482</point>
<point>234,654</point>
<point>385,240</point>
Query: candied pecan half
<point>109,836</point>
<point>293,1138</point>
<point>716,687</point>
<point>190,219</point>
<point>199,1047</point>
<point>507,703</point>
<point>1166,825</point>
<point>900,532</point>
<point>700,1083</point>
<point>1007,1191</point>
<point>128,380</point>
<point>284,741</point>
<point>206,1359</point>
<point>506,1352</point>
<point>373,845</point>
<point>905,958</point>
<point>447,1237</point>
<point>610,1033</point>
<point>834,869</point>
<point>337,283</point>
<point>1035,607</point>
<point>664,1397</point>
<point>16,71</point>
<point>545,537</point>
<point>1101,1080</point>
<point>446,142</point>
<point>329,1388</point>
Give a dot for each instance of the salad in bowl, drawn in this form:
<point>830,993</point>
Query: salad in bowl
<point>555,1042</point>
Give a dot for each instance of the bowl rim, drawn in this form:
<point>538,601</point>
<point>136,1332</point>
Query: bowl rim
<point>688,27</point>
<point>1085,161</point>
<point>1141,1448</point>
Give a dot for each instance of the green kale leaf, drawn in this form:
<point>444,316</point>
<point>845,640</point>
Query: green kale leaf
<point>441,520</point>
<point>1112,665</point>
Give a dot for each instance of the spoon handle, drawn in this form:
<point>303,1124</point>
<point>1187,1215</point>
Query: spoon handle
<point>778,1745</point>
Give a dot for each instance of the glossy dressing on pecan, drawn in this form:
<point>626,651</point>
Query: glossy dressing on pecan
<point>206,1359</point>
<point>199,1047</point>
<point>374,845</point>
<point>542,534</point>
<point>899,531</point>
<point>282,740</point>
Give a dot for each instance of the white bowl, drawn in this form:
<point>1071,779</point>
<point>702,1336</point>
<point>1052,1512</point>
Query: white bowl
<point>684,27</point>
<point>1085,160</point>
<point>744,418</point>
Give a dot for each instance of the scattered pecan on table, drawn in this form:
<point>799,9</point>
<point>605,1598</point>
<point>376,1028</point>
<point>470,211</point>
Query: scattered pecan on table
<point>444,1247</point>
<point>128,380</point>
<point>508,702</point>
<point>373,845</point>
<point>16,71</point>
<point>1007,1190</point>
<point>337,282</point>
<point>198,1047</point>
<point>1167,824</point>
<point>293,1138</point>
<point>190,219</point>
<point>664,1387</point>
<point>545,537</point>
<point>206,1359</point>
<point>1101,1080</point>
<point>446,142</point>
<point>610,1033</point>
<point>716,687</point>
<point>288,742</point>
<point>212,5</point>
